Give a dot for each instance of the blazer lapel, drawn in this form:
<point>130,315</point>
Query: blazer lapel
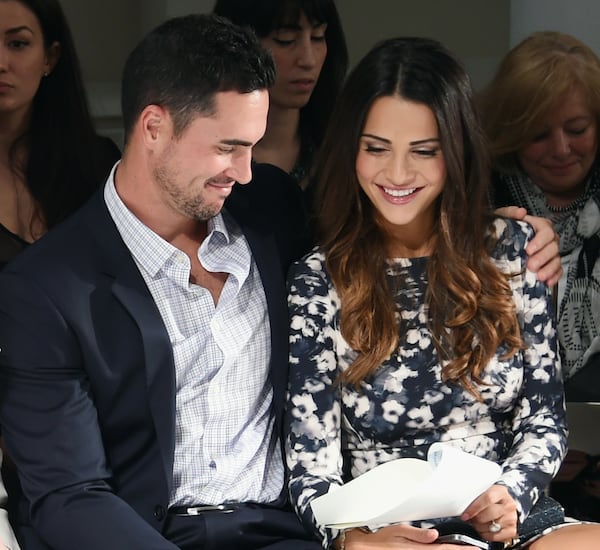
<point>130,290</point>
<point>266,254</point>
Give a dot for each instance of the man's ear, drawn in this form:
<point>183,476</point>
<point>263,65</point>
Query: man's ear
<point>52,57</point>
<point>155,125</point>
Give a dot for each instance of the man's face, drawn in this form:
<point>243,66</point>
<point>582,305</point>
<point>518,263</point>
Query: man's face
<point>195,172</point>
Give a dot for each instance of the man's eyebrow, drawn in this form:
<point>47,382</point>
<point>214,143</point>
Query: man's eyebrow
<point>238,142</point>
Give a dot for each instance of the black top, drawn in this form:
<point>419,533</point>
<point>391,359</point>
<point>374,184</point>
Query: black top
<point>107,154</point>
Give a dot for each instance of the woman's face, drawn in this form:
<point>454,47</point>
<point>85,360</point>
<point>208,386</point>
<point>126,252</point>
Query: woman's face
<point>23,57</point>
<point>560,157</point>
<point>299,51</point>
<point>401,168</point>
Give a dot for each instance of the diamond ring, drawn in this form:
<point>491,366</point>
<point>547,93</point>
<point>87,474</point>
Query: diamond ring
<point>495,527</point>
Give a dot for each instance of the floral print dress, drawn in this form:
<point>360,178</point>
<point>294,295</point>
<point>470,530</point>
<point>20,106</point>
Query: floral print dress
<point>336,433</point>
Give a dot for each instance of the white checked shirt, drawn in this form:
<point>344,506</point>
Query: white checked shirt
<point>225,447</point>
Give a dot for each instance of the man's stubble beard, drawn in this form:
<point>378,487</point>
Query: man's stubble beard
<point>194,207</point>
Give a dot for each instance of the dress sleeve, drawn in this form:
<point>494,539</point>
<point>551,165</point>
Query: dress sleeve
<point>7,537</point>
<point>539,421</point>
<point>313,442</point>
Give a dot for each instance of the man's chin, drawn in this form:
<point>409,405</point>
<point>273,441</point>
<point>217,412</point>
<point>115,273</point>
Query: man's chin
<point>208,212</point>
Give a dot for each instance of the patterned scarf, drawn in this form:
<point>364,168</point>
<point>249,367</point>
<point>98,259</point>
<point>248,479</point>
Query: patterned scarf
<point>578,226</point>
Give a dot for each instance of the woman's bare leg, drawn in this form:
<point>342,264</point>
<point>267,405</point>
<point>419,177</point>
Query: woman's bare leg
<point>575,537</point>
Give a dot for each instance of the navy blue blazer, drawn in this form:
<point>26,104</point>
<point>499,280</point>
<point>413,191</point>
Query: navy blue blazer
<point>87,380</point>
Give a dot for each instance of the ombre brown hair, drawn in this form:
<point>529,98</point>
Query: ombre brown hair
<point>469,302</point>
<point>530,83</point>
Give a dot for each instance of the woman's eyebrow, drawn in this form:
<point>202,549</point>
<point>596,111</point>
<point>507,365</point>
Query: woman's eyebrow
<point>378,138</point>
<point>16,30</point>
<point>416,142</point>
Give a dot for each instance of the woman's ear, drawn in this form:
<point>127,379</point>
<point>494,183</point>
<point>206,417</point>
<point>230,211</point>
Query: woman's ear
<point>52,57</point>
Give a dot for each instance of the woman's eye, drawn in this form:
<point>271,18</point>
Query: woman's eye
<point>283,42</point>
<point>320,38</point>
<point>577,131</point>
<point>427,152</point>
<point>18,44</point>
<point>374,149</point>
<point>540,137</point>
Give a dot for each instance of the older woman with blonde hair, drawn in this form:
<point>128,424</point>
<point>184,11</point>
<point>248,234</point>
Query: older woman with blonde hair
<point>541,113</point>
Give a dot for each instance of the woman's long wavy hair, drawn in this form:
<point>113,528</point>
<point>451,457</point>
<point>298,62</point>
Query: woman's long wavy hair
<point>469,302</point>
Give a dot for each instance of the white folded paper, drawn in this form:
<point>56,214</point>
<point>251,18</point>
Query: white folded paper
<point>408,489</point>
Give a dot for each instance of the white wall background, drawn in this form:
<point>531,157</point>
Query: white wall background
<point>581,18</point>
<point>478,31</point>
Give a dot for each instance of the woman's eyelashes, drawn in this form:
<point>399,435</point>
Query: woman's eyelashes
<point>420,152</point>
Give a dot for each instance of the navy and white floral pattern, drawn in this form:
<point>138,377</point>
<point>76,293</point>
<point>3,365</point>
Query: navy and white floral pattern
<point>336,433</point>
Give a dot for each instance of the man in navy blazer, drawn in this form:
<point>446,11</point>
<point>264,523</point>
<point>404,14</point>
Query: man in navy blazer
<point>143,343</point>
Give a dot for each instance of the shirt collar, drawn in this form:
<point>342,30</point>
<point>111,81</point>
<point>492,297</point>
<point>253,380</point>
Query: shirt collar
<point>139,238</point>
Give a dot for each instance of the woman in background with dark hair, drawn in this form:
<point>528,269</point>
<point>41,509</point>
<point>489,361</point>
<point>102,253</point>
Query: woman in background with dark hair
<point>51,159</point>
<point>309,49</point>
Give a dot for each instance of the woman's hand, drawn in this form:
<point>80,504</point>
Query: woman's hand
<point>493,514</point>
<point>544,258</point>
<point>405,537</point>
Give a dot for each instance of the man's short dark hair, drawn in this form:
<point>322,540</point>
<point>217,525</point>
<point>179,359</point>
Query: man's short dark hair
<point>185,61</point>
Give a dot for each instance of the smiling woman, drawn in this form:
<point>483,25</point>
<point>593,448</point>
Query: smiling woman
<point>418,301</point>
<point>542,114</point>
<point>402,165</point>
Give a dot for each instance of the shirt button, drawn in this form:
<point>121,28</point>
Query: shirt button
<point>212,464</point>
<point>159,512</point>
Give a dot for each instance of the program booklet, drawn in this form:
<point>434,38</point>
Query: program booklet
<point>408,489</point>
